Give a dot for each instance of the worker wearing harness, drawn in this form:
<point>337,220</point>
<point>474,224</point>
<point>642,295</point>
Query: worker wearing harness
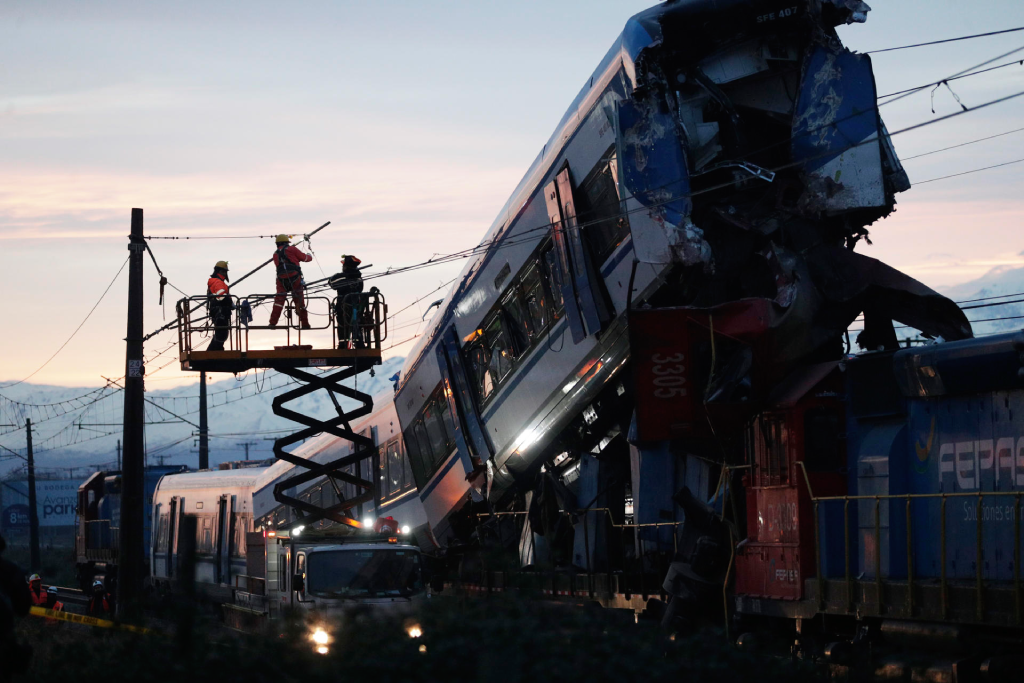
<point>289,279</point>
<point>218,303</point>
<point>348,305</point>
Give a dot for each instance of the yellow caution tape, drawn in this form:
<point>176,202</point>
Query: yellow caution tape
<point>82,619</point>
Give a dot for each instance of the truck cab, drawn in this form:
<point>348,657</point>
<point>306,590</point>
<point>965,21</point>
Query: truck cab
<point>324,573</point>
<point>333,576</point>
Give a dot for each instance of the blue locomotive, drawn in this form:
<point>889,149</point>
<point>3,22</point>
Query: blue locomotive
<point>884,499</point>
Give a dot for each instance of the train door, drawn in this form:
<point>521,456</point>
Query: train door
<point>224,510</point>
<point>586,307</point>
<point>171,537</point>
<point>471,436</point>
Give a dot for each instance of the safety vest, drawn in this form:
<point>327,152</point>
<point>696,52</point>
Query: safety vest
<point>217,295</point>
<point>38,598</point>
<point>286,268</point>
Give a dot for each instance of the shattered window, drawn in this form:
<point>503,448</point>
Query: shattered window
<point>603,223</point>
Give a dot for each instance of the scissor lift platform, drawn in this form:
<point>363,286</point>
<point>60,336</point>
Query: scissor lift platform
<point>288,357</point>
<point>355,347</point>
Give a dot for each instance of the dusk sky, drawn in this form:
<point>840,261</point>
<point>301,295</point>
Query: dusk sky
<point>406,124</point>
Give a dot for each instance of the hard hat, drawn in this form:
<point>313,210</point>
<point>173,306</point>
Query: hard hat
<point>34,577</point>
<point>221,264</point>
<point>282,238</point>
<point>52,590</point>
<point>98,583</point>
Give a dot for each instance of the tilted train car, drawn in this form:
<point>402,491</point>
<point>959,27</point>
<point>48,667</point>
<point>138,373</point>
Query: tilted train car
<point>388,467</point>
<point>884,510</point>
<point>687,235</point>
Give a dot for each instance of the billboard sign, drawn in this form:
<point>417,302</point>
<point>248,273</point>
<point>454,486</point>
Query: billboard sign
<point>55,501</point>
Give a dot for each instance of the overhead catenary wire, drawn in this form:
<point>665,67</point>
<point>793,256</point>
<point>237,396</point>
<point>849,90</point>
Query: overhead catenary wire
<point>973,170</point>
<point>68,340</point>
<point>946,40</point>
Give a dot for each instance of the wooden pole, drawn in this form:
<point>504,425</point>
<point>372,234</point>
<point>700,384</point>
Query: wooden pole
<point>130,554</point>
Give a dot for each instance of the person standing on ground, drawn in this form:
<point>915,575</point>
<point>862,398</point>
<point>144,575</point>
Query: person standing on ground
<point>99,603</point>
<point>218,303</point>
<point>35,590</point>
<point>289,279</point>
<point>14,602</point>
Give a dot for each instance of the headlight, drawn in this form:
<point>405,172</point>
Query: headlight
<point>414,631</point>
<point>405,530</point>
<point>321,639</point>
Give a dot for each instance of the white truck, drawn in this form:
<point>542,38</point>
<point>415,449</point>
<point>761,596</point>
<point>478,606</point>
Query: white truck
<point>326,574</point>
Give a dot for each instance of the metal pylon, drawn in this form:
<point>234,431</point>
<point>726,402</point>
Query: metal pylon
<point>338,426</point>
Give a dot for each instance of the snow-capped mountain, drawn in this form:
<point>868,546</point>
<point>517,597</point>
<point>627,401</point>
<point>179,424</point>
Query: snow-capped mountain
<point>85,428</point>
<point>1000,284</point>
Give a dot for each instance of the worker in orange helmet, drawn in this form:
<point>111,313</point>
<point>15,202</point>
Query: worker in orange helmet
<point>289,279</point>
<point>35,590</point>
<point>218,303</point>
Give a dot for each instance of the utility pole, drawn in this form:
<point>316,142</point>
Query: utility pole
<point>33,513</point>
<point>119,455</point>
<point>204,427</point>
<point>245,445</point>
<point>129,579</point>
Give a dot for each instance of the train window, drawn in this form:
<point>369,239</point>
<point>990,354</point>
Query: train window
<point>501,353</point>
<point>479,360</point>
<point>204,534</point>
<point>423,458</point>
<point>555,280</point>
<point>520,324</point>
<point>163,526</point>
<point>406,466</point>
<point>243,523</point>
<point>604,224</point>
<point>444,407</point>
<point>435,431</point>
<point>535,300</point>
<point>395,474</point>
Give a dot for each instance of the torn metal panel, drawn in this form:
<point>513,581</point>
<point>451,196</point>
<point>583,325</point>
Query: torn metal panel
<point>836,133</point>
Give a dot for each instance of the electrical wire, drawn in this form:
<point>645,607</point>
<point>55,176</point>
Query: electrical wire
<point>953,78</point>
<point>973,170</point>
<point>87,316</point>
<point>962,144</point>
<point>946,40</point>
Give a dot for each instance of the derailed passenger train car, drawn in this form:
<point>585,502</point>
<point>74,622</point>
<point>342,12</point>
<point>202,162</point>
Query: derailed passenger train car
<point>386,467</point>
<point>683,242</point>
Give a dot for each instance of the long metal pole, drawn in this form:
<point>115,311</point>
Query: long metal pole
<point>129,560</point>
<point>33,512</point>
<point>204,426</point>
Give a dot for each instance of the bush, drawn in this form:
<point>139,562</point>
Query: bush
<point>462,640</point>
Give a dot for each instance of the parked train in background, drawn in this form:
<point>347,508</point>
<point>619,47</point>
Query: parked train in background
<point>228,504</point>
<point>98,522</point>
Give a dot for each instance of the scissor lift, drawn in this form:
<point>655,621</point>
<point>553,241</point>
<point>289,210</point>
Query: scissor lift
<point>354,348</point>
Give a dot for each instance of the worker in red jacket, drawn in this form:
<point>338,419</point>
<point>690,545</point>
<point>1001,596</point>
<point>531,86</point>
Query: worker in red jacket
<point>289,279</point>
<point>218,303</point>
<point>35,590</point>
<point>99,603</point>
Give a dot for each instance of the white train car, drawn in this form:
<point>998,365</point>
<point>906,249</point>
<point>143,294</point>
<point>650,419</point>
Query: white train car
<point>221,502</point>
<point>388,467</point>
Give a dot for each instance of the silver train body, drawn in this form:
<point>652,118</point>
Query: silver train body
<point>388,468</point>
<point>229,503</point>
<point>533,335</point>
<point>221,502</point>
